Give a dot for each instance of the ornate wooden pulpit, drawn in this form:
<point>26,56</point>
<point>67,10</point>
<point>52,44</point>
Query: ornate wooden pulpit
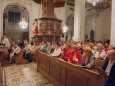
<point>48,28</point>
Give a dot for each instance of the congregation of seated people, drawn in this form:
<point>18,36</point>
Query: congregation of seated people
<point>78,53</point>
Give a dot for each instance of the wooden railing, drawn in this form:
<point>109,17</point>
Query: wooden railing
<point>62,73</point>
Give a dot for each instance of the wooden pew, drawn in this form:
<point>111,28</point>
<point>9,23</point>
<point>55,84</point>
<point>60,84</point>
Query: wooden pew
<point>99,63</point>
<point>62,73</point>
<point>20,58</point>
<point>2,73</point>
<point>6,53</point>
<point>3,55</point>
<point>2,77</point>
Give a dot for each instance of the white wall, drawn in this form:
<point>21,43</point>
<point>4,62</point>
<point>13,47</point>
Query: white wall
<point>103,25</point>
<point>100,23</point>
<point>60,13</point>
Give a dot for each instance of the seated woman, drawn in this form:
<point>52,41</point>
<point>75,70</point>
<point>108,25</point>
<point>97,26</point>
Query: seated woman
<point>88,60</point>
<point>67,53</point>
<point>77,55</point>
<point>57,50</point>
<point>49,48</point>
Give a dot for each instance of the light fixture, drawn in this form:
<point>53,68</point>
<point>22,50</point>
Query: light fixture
<point>65,29</point>
<point>93,2</point>
<point>23,24</point>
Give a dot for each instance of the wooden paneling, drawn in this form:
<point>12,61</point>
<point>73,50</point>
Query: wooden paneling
<point>74,79</point>
<point>2,77</point>
<point>62,73</point>
<point>43,64</point>
<point>55,71</point>
<point>37,1</point>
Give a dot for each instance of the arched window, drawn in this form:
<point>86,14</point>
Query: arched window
<point>92,35</point>
<point>13,17</point>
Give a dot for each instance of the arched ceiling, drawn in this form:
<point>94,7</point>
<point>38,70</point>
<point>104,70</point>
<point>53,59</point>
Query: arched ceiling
<point>57,3</point>
<point>103,4</point>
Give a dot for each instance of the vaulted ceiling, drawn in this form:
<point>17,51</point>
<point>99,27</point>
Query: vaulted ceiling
<point>103,4</point>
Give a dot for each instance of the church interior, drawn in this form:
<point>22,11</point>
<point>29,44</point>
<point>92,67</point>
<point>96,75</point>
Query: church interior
<point>57,43</point>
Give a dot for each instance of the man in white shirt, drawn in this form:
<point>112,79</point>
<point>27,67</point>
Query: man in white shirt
<point>16,50</point>
<point>109,68</point>
<point>100,53</point>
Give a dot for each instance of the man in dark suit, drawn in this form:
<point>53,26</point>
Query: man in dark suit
<point>109,68</point>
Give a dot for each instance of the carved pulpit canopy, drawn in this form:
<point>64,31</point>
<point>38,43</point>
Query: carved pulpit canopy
<point>48,7</point>
<point>57,3</point>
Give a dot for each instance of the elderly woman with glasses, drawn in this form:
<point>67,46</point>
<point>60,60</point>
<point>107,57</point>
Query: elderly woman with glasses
<point>88,60</point>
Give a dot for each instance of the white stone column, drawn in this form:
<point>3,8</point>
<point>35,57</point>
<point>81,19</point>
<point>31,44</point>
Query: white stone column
<point>112,38</point>
<point>0,23</point>
<point>1,19</point>
<point>79,20</point>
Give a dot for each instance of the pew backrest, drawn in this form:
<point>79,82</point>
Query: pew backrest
<point>62,73</point>
<point>99,63</point>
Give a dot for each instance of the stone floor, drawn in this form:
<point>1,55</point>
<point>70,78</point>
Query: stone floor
<point>25,75</point>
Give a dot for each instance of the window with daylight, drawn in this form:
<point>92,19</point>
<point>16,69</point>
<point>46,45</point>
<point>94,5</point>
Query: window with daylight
<point>14,17</point>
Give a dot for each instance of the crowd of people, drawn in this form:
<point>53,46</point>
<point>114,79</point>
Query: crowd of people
<point>78,53</point>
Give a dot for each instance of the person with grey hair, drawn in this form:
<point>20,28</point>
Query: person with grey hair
<point>109,68</point>
<point>100,53</point>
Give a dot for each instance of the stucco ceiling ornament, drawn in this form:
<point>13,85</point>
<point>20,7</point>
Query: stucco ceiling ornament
<point>93,2</point>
